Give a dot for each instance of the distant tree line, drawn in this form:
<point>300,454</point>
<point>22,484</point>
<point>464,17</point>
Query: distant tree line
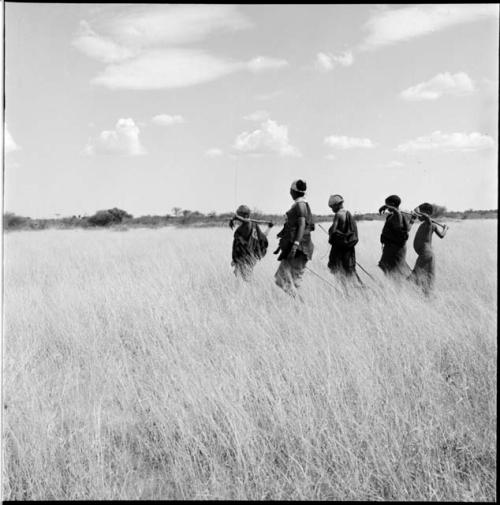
<point>116,217</point>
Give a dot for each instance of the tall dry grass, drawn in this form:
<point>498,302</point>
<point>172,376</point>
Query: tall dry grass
<point>136,366</point>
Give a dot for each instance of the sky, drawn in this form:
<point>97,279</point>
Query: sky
<point>206,107</point>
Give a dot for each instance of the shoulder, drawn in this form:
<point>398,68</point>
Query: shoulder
<point>301,208</point>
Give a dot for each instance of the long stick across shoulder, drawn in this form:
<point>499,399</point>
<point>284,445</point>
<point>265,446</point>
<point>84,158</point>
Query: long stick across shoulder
<point>249,220</point>
<point>415,212</point>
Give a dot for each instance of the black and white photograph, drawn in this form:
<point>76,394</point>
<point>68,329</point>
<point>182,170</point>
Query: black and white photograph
<point>249,251</point>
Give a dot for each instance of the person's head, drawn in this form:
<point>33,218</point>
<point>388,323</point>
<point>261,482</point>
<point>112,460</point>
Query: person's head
<point>243,211</point>
<point>335,202</point>
<point>425,208</point>
<point>393,201</point>
<point>298,188</point>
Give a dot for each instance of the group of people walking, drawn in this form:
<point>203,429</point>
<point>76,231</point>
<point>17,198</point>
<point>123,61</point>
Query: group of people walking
<point>296,248</point>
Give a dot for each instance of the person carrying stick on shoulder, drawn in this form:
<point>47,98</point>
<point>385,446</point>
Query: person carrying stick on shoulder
<point>249,243</point>
<point>394,237</point>
<point>423,274</point>
<point>295,241</point>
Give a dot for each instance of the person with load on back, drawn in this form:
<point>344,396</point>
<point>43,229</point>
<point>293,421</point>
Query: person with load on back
<point>424,271</point>
<point>295,245</point>
<point>343,237</point>
<point>249,243</point>
<point>393,238</point>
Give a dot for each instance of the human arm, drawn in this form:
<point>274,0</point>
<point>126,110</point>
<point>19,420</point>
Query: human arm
<point>398,213</point>
<point>333,228</point>
<point>440,233</point>
<point>393,210</point>
<point>301,222</point>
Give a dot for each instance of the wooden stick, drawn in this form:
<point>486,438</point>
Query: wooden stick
<point>249,220</point>
<point>323,279</point>
<point>420,214</point>
<point>321,226</point>
<point>357,263</point>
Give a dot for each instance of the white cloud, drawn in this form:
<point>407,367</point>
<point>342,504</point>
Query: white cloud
<point>327,61</point>
<point>165,68</point>
<point>331,157</point>
<point>174,68</point>
<point>258,115</point>
<point>448,142</point>
<point>100,48</point>
<point>141,46</point>
<point>213,152</point>
<point>123,140</point>
<point>343,142</point>
<point>10,145</point>
<point>270,138</point>
<point>173,24</point>
<point>389,26</point>
<point>261,63</point>
<point>442,84</point>
<point>167,120</point>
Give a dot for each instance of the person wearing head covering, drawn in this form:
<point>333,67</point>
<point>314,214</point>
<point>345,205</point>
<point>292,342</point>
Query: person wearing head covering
<point>393,238</point>
<point>423,273</point>
<point>249,243</point>
<point>295,241</point>
<point>343,236</point>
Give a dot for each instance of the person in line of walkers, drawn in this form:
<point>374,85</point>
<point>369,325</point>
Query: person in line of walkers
<point>343,236</point>
<point>393,238</point>
<point>249,243</point>
<point>295,241</point>
<point>423,273</point>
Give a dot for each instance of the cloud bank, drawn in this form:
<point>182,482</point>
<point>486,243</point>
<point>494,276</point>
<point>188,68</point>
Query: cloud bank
<point>447,142</point>
<point>143,47</point>
<point>390,26</point>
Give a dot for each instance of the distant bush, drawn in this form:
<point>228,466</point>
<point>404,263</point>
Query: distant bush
<point>108,217</point>
<point>12,221</point>
<point>439,210</point>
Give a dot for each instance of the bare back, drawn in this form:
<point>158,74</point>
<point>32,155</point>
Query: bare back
<point>339,220</point>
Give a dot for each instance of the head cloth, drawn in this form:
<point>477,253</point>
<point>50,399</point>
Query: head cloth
<point>299,185</point>
<point>334,199</point>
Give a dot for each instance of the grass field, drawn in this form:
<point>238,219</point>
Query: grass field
<point>136,366</point>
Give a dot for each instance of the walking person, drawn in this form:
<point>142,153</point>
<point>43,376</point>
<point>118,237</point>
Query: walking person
<point>249,243</point>
<point>394,237</point>
<point>343,237</point>
<point>423,273</point>
<point>295,245</point>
